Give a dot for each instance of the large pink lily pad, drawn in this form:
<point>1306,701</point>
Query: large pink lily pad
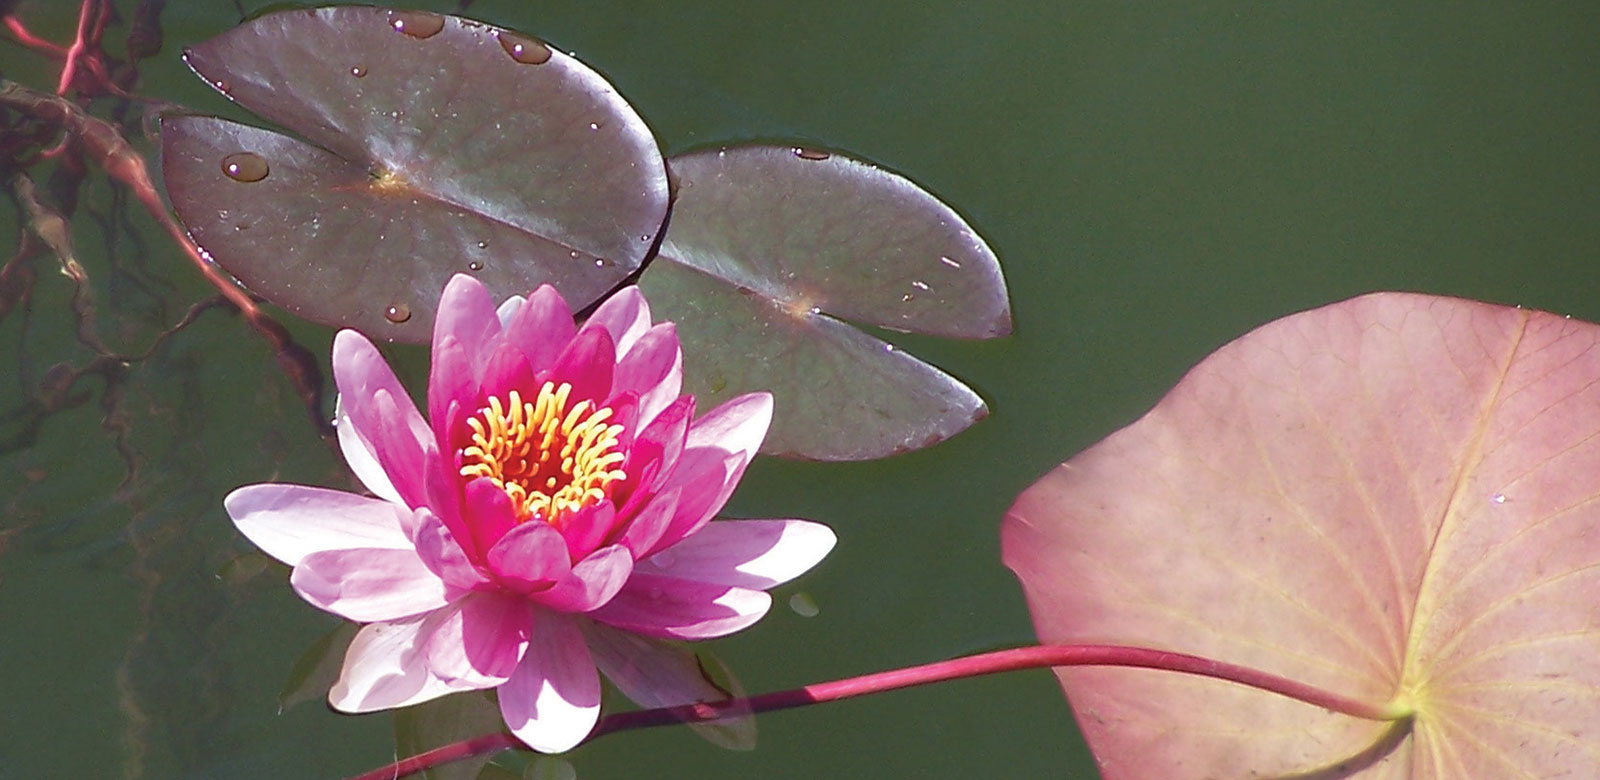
<point>426,146</point>
<point>1392,498</point>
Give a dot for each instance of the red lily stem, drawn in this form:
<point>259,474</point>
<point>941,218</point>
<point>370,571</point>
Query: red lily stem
<point>32,41</point>
<point>80,44</point>
<point>1032,657</point>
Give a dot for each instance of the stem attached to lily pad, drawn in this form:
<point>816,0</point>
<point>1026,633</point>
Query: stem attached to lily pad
<point>1032,657</point>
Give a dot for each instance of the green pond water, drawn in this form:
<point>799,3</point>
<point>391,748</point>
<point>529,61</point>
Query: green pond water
<point>1157,179</point>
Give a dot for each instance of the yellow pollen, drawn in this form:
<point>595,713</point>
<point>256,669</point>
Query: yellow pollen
<point>549,459</point>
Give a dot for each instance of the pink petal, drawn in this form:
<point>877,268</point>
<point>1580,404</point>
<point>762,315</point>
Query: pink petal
<point>594,581</point>
<point>647,526</point>
<point>625,315</point>
<point>385,667</point>
<point>552,700</point>
<point>466,313</point>
<point>679,609</point>
<point>541,329</point>
<point>651,672</point>
<point>506,370</point>
<point>452,379</point>
<point>737,426</point>
<point>508,309</point>
<point>368,585</point>
<point>586,529</point>
<point>661,442</point>
<point>396,434</point>
<point>530,557</point>
<point>705,480</point>
<point>361,457</point>
<point>587,364</point>
<point>744,553</point>
<point>488,515</point>
<point>437,547</point>
<point>480,640</point>
<point>653,368</point>
<point>289,522</point>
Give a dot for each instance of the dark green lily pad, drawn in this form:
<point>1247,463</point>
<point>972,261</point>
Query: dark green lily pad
<point>770,247</point>
<point>431,145</point>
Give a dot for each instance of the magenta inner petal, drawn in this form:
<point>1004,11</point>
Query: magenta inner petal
<point>650,522</point>
<point>586,529</point>
<point>488,513</point>
<point>653,368</point>
<point>451,380</point>
<point>530,557</point>
<point>439,550</point>
<point>541,328</point>
<point>587,364</point>
<point>706,478</point>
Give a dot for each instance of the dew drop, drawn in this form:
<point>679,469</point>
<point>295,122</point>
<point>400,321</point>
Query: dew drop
<point>475,265</point>
<point>645,239</point>
<point>359,72</point>
<point>417,24</point>
<point>809,154</point>
<point>599,262</point>
<point>397,313</point>
<point>523,49</point>
<point>483,244</point>
<point>573,254</point>
<point>920,285</point>
<point>952,262</point>
<point>222,86</point>
<point>804,605</point>
<point>907,298</point>
<point>245,166</point>
<point>594,125</point>
<point>1498,498</point>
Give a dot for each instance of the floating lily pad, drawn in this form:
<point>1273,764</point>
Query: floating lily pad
<point>427,145</point>
<point>1392,499</point>
<point>770,248</point>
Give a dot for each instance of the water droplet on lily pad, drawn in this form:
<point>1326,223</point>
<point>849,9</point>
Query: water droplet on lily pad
<point>809,154</point>
<point>417,24</point>
<point>245,166</point>
<point>358,72</point>
<point>475,265</point>
<point>397,313</point>
<point>523,49</point>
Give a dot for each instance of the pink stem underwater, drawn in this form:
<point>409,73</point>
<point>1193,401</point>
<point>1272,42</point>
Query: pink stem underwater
<point>1032,657</point>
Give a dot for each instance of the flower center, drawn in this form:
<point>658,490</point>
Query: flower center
<point>549,459</point>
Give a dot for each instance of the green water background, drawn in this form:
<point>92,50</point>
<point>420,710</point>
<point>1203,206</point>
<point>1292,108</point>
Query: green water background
<point>1157,179</point>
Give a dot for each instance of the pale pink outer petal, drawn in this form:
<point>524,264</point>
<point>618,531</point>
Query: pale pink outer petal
<point>361,457</point>
<point>744,553</point>
<point>680,609</point>
<point>289,522</point>
<point>625,315</point>
<point>1394,494</point>
<point>552,701</point>
<point>368,585</point>
<point>382,415</point>
<point>531,556</point>
<point>385,668</point>
<point>737,426</point>
<point>593,581</point>
<point>651,672</point>
<point>480,639</point>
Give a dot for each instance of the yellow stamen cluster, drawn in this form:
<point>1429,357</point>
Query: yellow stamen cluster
<point>549,459</point>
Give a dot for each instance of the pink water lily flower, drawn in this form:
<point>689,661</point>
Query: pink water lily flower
<point>553,513</point>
